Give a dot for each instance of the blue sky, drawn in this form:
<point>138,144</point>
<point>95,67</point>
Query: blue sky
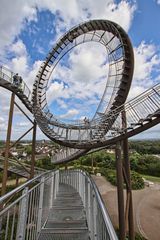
<point>28,30</point>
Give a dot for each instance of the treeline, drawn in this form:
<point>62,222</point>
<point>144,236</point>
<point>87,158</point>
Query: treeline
<point>145,147</point>
<point>145,164</point>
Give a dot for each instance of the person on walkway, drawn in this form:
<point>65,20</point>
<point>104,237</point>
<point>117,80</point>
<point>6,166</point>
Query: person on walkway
<point>16,79</point>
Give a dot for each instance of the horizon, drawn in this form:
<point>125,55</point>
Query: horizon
<point>34,32</point>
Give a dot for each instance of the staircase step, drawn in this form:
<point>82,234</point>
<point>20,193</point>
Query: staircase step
<point>66,214</point>
<point>64,234</point>
<point>66,223</point>
<point>67,217</point>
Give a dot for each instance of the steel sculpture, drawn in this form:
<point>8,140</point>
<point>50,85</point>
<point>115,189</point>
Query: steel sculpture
<point>114,120</point>
<point>121,61</point>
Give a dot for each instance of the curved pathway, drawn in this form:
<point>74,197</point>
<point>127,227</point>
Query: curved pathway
<point>146,207</point>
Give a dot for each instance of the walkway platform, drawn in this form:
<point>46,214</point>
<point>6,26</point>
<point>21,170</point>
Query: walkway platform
<point>67,218</point>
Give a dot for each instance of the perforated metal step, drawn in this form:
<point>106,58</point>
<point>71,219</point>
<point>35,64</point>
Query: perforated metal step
<point>67,218</point>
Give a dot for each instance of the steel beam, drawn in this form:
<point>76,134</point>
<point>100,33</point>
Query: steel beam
<point>129,190</point>
<point>9,129</point>
<point>33,149</point>
<point>17,141</point>
<point>120,193</point>
<point>129,202</point>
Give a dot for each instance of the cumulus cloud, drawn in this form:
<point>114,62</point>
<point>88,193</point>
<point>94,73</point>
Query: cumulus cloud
<point>70,114</point>
<point>147,60</point>
<point>75,11</point>
<point>18,48</point>
<point>14,16</point>
<point>83,79</point>
<point>23,124</point>
<point>85,76</point>
<point>12,20</point>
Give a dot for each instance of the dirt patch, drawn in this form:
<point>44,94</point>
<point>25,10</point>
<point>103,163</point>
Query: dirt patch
<point>146,206</point>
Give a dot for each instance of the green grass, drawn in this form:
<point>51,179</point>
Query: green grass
<point>151,178</point>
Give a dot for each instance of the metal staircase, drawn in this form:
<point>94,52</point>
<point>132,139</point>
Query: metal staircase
<point>141,112</point>
<point>67,217</point>
<point>20,169</point>
<point>58,205</point>
<point>66,205</point>
<point>22,91</point>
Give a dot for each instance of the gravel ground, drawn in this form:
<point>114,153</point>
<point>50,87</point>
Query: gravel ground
<point>146,207</point>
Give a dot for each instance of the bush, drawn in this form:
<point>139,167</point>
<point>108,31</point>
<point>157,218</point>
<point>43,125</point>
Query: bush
<point>45,163</point>
<point>136,179</point>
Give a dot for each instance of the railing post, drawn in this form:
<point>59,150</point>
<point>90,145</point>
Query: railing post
<point>84,191</point>
<point>86,197</point>
<point>56,183</point>
<point>89,211</point>
<point>52,190</point>
<point>40,208</point>
<point>95,217</point>
<point>23,212</point>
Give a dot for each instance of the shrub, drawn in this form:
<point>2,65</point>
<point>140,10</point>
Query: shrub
<point>136,179</point>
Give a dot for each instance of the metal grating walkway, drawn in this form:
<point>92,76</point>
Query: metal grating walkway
<point>67,218</point>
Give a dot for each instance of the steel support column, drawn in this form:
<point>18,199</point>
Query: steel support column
<point>120,193</point>
<point>128,185</point>
<point>7,147</point>
<point>33,150</point>
<point>129,190</point>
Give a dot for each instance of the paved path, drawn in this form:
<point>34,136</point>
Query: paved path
<point>146,207</point>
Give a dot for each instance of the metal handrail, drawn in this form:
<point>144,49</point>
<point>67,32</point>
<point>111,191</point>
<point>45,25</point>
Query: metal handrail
<point>23,186</point>
<point>9,77</point>
<point>113,120</point>
<point>93,205</point>
<point>102,207</point>
<point>32,208</point>
<point>23,164</point>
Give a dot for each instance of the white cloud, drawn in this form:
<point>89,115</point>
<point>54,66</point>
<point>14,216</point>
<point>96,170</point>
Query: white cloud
<point>2,119</point>
<point>23,124</point>
<point>14,16</point>
<point>70,114</point>
<point>151,133</point>
<point>76,11</point>
<point>12,20</point>
<point>18,48</point>
<point>86,68</point>
<point>147,60</point>
<point>85,77</point>
<point>55,91</point>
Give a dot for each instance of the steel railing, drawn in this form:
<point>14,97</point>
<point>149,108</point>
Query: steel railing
<point>138,111</point>
<point>24,210</point>
<point>7,75</point>
<point>21,168</point>
<point>99,223</point>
